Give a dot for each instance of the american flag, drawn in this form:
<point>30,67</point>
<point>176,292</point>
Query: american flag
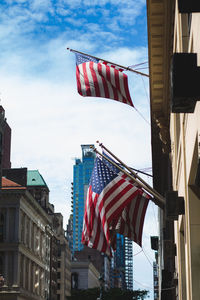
<point>109,209</point>
<point>130,223</point>
<point>97,78</point>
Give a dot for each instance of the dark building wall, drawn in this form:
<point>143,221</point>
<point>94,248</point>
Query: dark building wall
<point>162,182</point>
<point>6,147</point>
<point>18,175</point>
<point>5,140</point>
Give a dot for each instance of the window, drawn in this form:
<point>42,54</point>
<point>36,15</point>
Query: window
<point>22,227</point>
<point>1,263</point>
<point>37,241</point>
<point>2,226</point>
<point>189,22</point>
<point>27,272</point>
<point>22,271</point>
<point>177,124</point>
<point>74,280</point>
<point>185,32</point>
<point>27,231</point>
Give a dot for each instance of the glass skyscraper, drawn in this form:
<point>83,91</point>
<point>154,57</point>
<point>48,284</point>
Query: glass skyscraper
<point>123,262</point>
<point>82,171</point>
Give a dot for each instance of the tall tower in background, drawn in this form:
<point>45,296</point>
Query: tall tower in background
<point>81,176</point>
<point>128,263</point>
<point>5,132</point>
<point>123,263</point>
<point>5,143</point>
<point>118,273</point>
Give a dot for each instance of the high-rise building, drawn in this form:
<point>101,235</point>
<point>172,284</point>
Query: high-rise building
<point>81,176</point>
<point>5,142</point>
<point>122,266</point>
<point>128,263</point>
<point>118,264</point>
<point>155,280</point>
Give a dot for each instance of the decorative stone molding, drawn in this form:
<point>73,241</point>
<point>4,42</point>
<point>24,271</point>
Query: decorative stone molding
<point>164,134</point>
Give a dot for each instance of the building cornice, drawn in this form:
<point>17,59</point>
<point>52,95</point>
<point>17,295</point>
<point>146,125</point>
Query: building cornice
<point>160,19</point>
<point>30,201</point>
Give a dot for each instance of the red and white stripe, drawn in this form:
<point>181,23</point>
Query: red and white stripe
<point>92,234</point>
<point>102,80</point>
<point>131,221</point>
<point>120,207</point>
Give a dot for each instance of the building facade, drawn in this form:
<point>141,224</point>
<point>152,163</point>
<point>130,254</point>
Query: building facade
<point>34,252</point>
<point>185,139</point>
<point>118,264</point>
<point>84,275</point>
<point>5,142</point>
<point>174,52</point>
<point>122,264</point>
<point>63,259</point>
<point>155,281</point>
<point>23,247</point>
<point>128,263</point>
<point>60,258</point>
<point>81,176</point>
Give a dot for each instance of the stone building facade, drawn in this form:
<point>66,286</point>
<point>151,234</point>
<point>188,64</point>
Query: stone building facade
<point>84,275</point>
<point>24,251</point>
<point>34,253</point>
<point>174,60</point>
<point>64,260</point>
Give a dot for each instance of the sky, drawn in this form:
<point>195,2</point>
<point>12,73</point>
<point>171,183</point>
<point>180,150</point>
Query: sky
<point>49,119</point>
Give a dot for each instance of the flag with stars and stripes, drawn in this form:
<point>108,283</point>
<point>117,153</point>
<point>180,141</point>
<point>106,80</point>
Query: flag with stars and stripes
<point>109,209</point>
<point>97,78</point>
<point>130,223</point>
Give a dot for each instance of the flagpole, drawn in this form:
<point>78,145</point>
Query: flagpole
<point>129,169</point>
<point>160,200</point>
<point>120,66</point>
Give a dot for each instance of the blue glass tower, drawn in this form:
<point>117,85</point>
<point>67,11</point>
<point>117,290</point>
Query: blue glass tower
<point>122,264</point>
<point>120,259</point>
<point>81,176</point>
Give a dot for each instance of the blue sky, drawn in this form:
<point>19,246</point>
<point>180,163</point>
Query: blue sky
<point>49,119</point>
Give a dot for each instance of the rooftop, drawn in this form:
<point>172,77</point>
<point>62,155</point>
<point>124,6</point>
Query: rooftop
<point>9,184</point>
<point>34,178</point>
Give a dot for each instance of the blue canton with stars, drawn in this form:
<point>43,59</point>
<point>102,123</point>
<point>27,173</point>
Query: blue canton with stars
<point>108,164</point>
<point>101,176</point>
<point>80,59</point>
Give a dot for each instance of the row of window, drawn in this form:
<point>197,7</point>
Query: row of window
<point>34,238</point>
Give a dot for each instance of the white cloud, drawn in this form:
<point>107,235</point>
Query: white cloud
<point>41,5</point>
<point>76,22</point>
<point>63,11</point>
<point>49,120</point>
